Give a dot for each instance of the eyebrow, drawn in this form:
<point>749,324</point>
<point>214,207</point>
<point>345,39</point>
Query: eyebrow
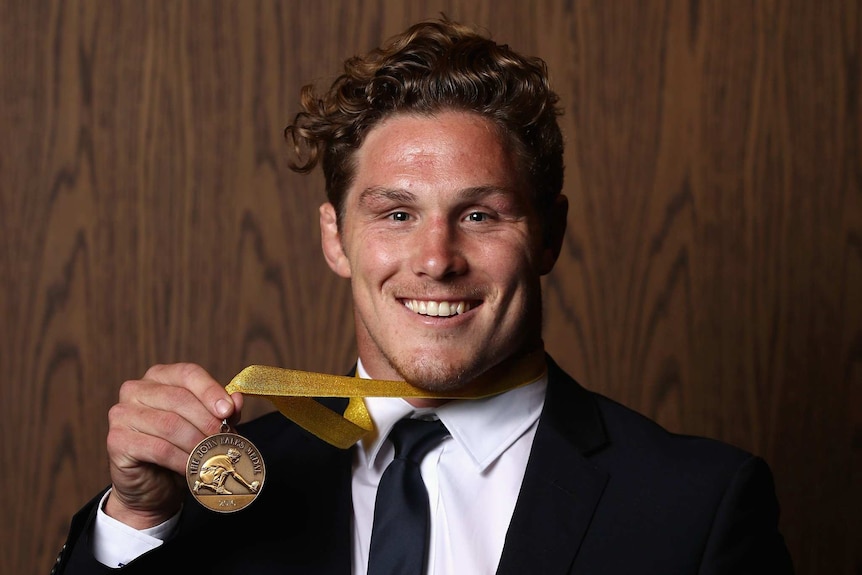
<point>376,193</point>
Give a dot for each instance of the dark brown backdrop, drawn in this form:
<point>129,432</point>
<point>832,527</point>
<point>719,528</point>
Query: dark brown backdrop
<point>711,277</point>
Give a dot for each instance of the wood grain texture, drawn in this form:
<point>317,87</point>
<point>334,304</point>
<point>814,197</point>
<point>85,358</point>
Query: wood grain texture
<point>711,277</point>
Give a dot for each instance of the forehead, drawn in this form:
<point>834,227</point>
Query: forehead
<point>411,151</point>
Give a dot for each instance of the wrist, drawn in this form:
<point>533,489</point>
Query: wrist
<point>139,519</point>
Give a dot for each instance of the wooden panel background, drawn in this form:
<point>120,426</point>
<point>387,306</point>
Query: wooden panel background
<point>711,278</point>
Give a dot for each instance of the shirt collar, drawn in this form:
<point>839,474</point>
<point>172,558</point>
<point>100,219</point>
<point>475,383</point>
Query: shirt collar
<point>485,428</point>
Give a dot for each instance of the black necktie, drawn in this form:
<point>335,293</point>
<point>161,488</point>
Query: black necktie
<point>399,536</point>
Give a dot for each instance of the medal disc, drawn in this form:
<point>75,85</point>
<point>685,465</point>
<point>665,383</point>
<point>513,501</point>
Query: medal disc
<point>225,472</point>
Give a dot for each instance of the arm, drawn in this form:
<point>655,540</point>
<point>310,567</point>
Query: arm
<point>156,423</point>
<point>744,537</point>
<point>250,486</point>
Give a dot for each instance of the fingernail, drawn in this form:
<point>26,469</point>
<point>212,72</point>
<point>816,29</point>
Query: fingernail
<point>223,407</point>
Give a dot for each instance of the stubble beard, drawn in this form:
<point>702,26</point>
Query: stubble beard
<point>434,374</point>
<point>441,374</point>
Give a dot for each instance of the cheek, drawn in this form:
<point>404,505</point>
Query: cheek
<point>372,259</point>
<point>514,260</point>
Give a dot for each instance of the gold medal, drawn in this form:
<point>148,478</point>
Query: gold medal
<point>225,471</point>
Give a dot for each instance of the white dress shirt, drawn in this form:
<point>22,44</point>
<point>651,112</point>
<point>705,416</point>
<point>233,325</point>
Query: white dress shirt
<point>473,479</point>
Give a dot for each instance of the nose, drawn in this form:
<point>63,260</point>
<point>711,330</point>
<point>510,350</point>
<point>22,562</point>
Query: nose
<point>438,251</point>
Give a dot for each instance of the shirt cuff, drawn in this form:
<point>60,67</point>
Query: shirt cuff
<point>115,544</point>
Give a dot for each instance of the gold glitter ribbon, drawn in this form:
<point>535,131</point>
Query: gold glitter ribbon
<point>293,392</point>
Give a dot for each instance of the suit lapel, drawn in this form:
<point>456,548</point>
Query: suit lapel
<point>561,489</point>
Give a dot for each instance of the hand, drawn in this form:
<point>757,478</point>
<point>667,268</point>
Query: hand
<point>157,422</point>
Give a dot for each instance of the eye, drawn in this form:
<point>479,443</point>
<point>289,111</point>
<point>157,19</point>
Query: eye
<point>399,216</point>
<point>477,217</point>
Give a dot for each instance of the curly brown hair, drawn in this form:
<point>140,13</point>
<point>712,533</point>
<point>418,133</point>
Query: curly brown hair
<point>434,65</point>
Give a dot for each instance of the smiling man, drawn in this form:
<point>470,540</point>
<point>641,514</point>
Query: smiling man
<point>443,165</point>
<point>443,246</point>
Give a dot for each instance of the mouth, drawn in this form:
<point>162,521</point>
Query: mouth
<point>438,308</point>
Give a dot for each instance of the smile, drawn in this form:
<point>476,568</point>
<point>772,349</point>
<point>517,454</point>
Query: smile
<point>437,308</point>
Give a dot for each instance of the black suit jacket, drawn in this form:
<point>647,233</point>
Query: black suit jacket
<point>606,491</point>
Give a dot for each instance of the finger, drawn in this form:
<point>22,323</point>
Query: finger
<point>163,437</point>
<point>130,448</point>
<point>146,474</point>
<point>197,380</point>
<point>161,404</point>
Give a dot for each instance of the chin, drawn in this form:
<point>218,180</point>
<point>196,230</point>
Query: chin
<point>436,375</point>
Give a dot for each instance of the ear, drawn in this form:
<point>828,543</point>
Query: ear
<point>330,241</point>
<point>555,231</point>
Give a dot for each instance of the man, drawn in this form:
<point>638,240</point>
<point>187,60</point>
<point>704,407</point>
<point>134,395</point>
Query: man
<point>443,165</point>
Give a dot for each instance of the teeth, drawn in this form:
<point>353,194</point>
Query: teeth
<point>437,308</point>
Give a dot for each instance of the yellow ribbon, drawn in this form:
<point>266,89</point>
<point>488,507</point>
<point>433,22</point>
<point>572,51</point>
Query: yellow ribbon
<point>293,391</point>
